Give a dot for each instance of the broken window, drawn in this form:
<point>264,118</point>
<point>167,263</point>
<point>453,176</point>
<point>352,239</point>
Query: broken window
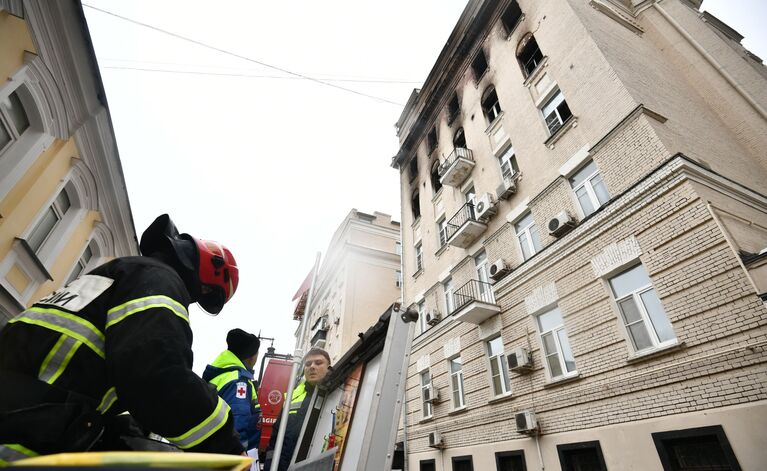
<point>490,105</point>
<point>479,65</point>
<point>459,140</point>
<point>431,140</point>
<point>511,16</point>
<point>453,109</point>
<point>529,55</point>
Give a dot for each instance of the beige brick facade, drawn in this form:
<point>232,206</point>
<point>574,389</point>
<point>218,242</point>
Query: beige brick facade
<point>677,146</point>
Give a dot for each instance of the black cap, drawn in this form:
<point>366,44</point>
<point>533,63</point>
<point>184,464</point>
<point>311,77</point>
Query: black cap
<point>242,344</point>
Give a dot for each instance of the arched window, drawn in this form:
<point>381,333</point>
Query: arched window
<point>435,183</point>
<point>529,54</point>
<point>490,105</point>
<point>415,204</point>
<point>459,140</point>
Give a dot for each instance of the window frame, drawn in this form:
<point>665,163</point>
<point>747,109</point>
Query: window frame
<point>525,43</point>
<point>422,316</point>
<point>418,256</point>
<point>460,383</point>
<point>459,138</point>
<point>504,454</point>
<point>533,243</point>
<point>504,18</point>
<point>431,462</point>
<point>588,186</point>
<point>495,108</point>
<point>436,184</point>
<point>415,204</point>
<point>82,263</point>
<point>453,109</point>
<point>449,300</point>
<point>563,449</point>
<point>636,295</point>
<point>426,374</point>
<point>442,231</point>
<point>503,368</point>
<point>555,334</point>
<point>474,69</point>
<point>508,158</point>
<point>462,458</point>
<point>556,112</point>
<point>717,431</point>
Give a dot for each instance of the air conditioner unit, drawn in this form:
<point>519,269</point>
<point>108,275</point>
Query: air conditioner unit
<point>430,394</point>
<point>520,360</point>
<point>435,440</point>
<point>526,422</point>
<point>433,317</point>
<point>561,224</point>
<point>484,208</point>
<point>499,269</point>
<point>507,187</point>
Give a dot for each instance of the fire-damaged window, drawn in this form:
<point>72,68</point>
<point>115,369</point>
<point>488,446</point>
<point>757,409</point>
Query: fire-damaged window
<point>529,55</point>
<point>415,205</point>
<point>479,65</point>
<point>412,168</point>
<point>453,109</point>
<point>459,140</point>
<point>511,16</point>
<point>431,140</point>
<point>435,183</point>
<point>491,107</point>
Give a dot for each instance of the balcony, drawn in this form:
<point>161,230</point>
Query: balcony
<point>464,228</point>
<point>457,167</point>
<point>475,302</point>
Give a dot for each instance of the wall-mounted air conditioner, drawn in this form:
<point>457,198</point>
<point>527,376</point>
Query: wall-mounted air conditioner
<point>435,440</point>
<point>431,394</point>
<point>433,316</point>
<point>560,224</point>
<point>526,422</point>
<point>484,208</point>
<point>507,187</point>
<point>499,269</point>
<point>520,360</point>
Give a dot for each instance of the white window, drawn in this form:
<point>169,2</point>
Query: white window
<point>442,231</point>
<point>418,257</point>
<point>398,279</point>
<point>13,120</point>
<point>499,371</point>
<point>589,188</point>
<point>456,382</point>
<point>426,394</point>
<point>645,320</point>
<point>527,234</point>
<point>485,292</point>
<point>82,263</point>
<point>558,355</point>
<point>556,112</point>
<point>422,317</point>
<point>398,248</point>
<point>447,286</point>
<point>46,225</point>
<point>508,162</point>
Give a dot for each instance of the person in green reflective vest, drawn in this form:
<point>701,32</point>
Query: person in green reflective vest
<point>232,375</point>
<point>316,367</point>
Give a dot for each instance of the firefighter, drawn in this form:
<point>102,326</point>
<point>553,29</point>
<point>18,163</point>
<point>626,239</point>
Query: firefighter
<point>232,375</point>
<point>316,366</point>
<point>118,339</point>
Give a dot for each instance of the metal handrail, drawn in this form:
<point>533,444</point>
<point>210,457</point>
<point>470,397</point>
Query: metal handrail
<point>464,215</point>
<point>473,290</point>
<point>458,153</point>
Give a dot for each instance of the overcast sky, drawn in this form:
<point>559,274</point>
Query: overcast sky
<point>269,164</point>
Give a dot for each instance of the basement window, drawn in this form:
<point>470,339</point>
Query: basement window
<point>479,65</point>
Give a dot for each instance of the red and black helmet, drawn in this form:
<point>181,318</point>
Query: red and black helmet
<point>218,274</point>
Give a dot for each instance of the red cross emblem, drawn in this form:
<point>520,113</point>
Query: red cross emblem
<point>241,390</point>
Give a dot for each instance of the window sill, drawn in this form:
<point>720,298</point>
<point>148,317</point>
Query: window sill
<point>441,249</point>
<point>426,420</point>
<point>479,79</point>
<point>416,222</point>
<point>536,72</point>
<point>562,380</point>
<point>656,352</point>
<point>437,195</point>
<point>503,397</point>
<point>24,245</point>
<point>572,122</point>
<point>460,410</point>
<point>418,273</point>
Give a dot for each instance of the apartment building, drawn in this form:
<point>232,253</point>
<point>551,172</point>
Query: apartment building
<point>360,277</point>
<point>64,207</point>
<point>585,237</point>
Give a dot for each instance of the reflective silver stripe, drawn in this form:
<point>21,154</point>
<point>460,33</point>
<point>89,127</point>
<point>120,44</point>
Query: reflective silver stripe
<point>204,429</point>
<point>118,313</point>
<point>9,453</point>
<point>65,323</point>
<point>58,358</point>
<point>108,400</point>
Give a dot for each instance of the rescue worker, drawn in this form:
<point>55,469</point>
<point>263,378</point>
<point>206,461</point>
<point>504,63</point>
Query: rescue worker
<point>232,375</point>
<point>316,366</point>
<point>118,339</point>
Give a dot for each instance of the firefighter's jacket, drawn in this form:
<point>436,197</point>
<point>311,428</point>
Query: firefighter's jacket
<point>234,384</point>
<point>299,404</point>
<point>116,339</point>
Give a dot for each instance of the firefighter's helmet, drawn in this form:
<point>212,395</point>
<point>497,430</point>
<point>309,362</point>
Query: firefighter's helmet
<point>218,274</point>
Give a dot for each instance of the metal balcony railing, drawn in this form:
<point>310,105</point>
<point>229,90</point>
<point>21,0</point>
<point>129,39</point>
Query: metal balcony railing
<point>458,153</point>
<point>473,290</point>
<point>464,215</point>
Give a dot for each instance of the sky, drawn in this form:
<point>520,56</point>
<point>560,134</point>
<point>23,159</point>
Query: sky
<point>239,147</point>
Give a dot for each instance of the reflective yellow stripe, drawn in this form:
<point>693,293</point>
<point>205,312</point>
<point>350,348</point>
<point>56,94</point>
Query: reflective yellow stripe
<point>204,429</point>
<point>65,323</point>
<point>108,400</point>
<point>58,358</point>
<point>14,452</point>
<point>118,313</point>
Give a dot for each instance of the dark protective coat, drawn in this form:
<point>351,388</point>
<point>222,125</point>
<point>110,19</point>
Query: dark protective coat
<point>117,339</point>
